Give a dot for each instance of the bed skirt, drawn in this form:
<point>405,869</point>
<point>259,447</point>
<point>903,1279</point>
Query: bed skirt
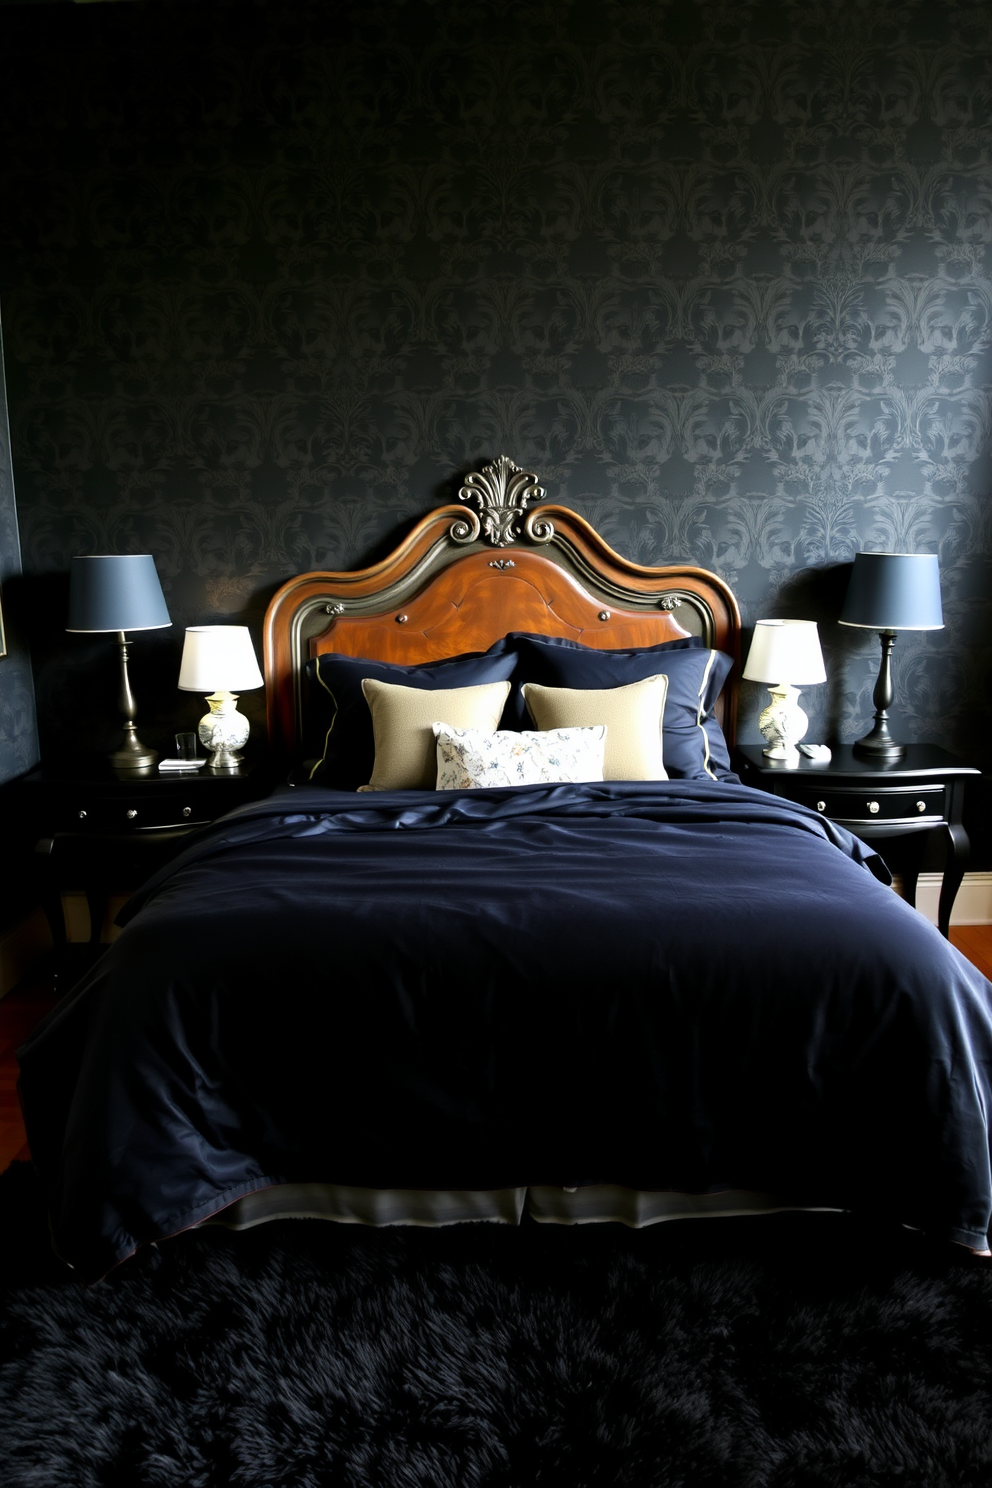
<point>597,1203</point>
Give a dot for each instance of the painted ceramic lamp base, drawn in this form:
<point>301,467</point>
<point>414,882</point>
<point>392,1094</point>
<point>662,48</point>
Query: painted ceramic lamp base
<point>223,731</point>
<point>782,724</point>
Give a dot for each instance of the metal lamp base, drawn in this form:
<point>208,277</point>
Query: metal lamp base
<point>878,746</point>
<point>878,743</point>
<point>131,754</point>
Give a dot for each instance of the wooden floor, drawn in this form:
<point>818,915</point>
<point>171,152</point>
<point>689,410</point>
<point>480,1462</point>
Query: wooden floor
<point>21,1009</point>
<point>976,943</point>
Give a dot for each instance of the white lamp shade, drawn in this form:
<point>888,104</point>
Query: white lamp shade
<point>785,651</point>
<point>218,658</point>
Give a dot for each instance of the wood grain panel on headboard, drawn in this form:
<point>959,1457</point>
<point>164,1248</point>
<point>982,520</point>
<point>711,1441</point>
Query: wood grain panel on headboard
<point>462,579</point>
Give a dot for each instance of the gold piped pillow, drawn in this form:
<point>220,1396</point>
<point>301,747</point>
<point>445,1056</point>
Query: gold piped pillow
<point>403,721</point>
<point>632,714</point>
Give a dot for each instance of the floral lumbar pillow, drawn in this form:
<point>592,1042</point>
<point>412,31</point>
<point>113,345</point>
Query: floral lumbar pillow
<point>467,758</point>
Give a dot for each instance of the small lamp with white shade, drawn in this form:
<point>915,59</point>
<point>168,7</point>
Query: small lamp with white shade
<point>220,660</point>
<point>786,655</point>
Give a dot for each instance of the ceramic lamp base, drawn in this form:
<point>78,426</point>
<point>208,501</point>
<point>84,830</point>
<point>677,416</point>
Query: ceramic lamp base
<point>782,724</point>
<point>223,731</point>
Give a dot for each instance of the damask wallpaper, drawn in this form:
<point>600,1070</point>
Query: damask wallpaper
<point>18,730</point>
<point>275,276</point>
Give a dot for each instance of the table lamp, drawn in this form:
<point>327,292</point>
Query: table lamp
<point>220,660</point>
<point>890,592</point>
<point>785,654</point>
<point>118,592</point>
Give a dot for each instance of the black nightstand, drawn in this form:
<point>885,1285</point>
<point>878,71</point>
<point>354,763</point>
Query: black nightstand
<point>906,799</point>
<point>101,831</point>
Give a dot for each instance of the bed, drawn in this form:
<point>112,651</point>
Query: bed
<point>512,939</point>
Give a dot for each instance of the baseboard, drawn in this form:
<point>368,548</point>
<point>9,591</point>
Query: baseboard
<point>77,915</point>
<point>972,906</point>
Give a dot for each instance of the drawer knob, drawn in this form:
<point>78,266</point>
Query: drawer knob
<point>82,816</point>
<point>873,807</point>
<point>821,805</point>
<point>921,805</point>
<point>187,811</point>
<point>131,814</point>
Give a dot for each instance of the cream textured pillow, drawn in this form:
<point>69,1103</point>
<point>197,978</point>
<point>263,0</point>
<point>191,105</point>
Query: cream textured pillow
<point>466,758</point>
<point>402,725</point>
<point>632,714</point>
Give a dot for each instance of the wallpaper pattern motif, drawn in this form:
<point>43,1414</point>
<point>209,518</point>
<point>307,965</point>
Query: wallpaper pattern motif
<point>18,731</point>
<point>275,276</point>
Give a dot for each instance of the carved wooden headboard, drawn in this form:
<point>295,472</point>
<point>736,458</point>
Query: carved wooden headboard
<point>469,574</point>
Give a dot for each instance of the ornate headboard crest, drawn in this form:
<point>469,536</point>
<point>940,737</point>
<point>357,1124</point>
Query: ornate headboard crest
<point>442,592</point>
<point>501,491</point>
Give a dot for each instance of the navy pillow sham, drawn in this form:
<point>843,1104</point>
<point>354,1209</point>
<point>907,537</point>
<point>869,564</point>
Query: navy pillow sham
<point>693,745</point>
<point>339,722</point>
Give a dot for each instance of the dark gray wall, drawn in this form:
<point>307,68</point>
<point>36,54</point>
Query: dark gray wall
<point>275,275</point>
<point>18,729</point>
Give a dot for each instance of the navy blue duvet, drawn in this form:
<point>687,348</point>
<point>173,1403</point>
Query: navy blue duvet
<point>682,986</point>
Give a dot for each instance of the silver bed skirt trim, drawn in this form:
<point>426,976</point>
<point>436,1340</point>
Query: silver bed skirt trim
<point>373,1206</point>
<point>596,1204</point>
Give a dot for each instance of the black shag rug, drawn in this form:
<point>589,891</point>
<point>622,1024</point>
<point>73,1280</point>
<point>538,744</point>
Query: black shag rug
<point>785,1351</point>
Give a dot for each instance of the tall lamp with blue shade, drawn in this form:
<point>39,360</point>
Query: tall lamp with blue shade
<point>114,593</point>
<point>889,592</point>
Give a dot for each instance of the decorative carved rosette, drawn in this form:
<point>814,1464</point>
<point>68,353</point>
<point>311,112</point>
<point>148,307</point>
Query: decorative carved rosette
<point>501,491</point>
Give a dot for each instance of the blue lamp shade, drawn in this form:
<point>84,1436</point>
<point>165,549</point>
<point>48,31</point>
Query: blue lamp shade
<point>116,591</point>
<point>894,591</point>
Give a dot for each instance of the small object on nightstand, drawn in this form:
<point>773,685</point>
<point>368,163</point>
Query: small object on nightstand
<point>186,745</point>
<point>187,757</point>
<point>815,752</point>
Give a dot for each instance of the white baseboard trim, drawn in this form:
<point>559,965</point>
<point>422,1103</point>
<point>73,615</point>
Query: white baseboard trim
<point>972,906</point>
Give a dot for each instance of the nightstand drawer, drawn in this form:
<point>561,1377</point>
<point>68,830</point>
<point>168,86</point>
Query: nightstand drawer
<point>85,814</point>
<point>923,803</point>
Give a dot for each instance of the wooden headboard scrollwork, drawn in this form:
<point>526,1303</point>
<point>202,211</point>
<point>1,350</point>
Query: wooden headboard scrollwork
<point>469,574</point>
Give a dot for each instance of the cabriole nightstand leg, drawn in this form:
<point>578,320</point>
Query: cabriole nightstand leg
<point>958,850</point>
